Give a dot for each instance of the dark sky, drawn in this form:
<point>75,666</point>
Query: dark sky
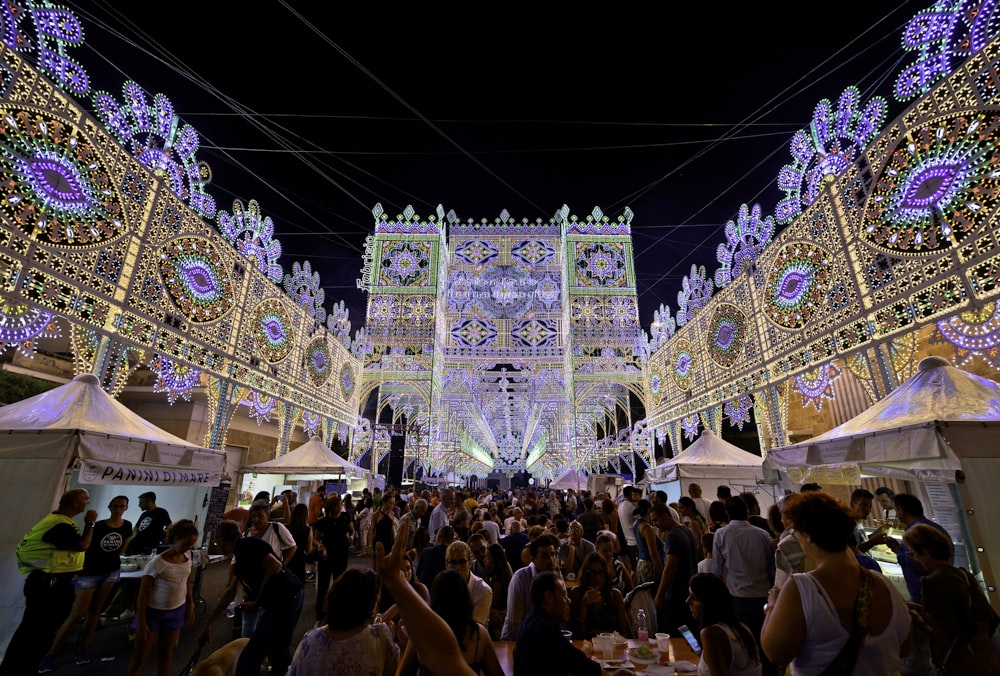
<point>622,107</point>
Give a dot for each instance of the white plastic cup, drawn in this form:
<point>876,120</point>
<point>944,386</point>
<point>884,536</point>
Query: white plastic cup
<point>607,646</point>
<point>663,643</point>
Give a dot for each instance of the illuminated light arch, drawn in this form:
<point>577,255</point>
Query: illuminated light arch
<point>816,385</point>
<point>973,333</point>
<point>696,289</point>
<point>939,185</point>
<point>174,378</point>
<point>682,363</point>
<point>41,32</point>
<point>338,322</point>
<point>159,142</point>
<point>195,278</point>
<point>303,285</point>
<point>833,142</point>
<point>253,236</point>
<point>797,284</point>
<point>746,238</point>
<point>943,36</point>
<point>21,326</point>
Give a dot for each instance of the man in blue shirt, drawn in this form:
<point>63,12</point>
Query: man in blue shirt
<point>910,512</point>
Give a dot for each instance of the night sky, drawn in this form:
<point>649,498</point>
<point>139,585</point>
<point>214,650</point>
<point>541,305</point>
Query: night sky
<point>681,114</point>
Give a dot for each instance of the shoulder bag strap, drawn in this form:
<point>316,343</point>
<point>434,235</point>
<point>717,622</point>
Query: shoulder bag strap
<point>844,662</point>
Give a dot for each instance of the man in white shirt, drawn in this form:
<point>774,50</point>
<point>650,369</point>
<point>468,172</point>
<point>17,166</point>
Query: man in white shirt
<point>543,560</point>
<point>625,519</point>
<point>518,515</point>
<point>441,516</point>
<point>694,490</point>
<point>458,557</point>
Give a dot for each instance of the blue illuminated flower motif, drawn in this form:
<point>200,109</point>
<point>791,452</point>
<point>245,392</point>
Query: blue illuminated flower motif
<point>273,336</point>
<point>746,238</point>
<point>663,327</point>
<point>738,411</point>
<point>476,252</point>
<point>159,142</point>
<point>40,32</point>
<point>535,333</point>
<point>696,291</point>
<point>311,422</point>
<point>939,185</point>
<point>943,36</point>
<point>622,311</point>
<point>654,382</point>
<point>318,361</point>
<point>726,334</point>
<point>691,425</point>
<point>683,363</point>
<point>817,385</point>
<point>383,309</point>
<point>587,311</point>
<point>22,325</point>
<point>347,381</point>
<point>253,236</point>
<point>505,291</point>
<point>195,280</point>
<point>56,186</point>
<point>797,284</point>
<point>474,333</point>
<point>548,293</point>
<point>261,407</point>
<point>600,264</point>
<point>974,333</point>
<point>338,322</point>
<point>460,294</point>
<point>418,310</point>
<point>174,378</point>
<point>304,287</point>
<point>533,252</point>
<point>833,142</point>
<point>405,264</point>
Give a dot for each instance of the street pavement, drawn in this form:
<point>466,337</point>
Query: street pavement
<point>111,641</point>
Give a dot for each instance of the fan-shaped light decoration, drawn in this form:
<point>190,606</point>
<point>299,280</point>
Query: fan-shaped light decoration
<point>159,142</point>
<point>663,327</point>
<point>696,290</point>
<point>311,422</point>
<point>40,32</point>
<point>738,411</point>
<point>253,236</point>
<point>746,238</point>
<point>338,322</point>
<point>833,141</point>
<point>973,333</point>
<point>817,385</point>
<point>943,36</point>
<point>21,325</point>
<point>174,378</point>
<point>261,407</point>
<point>691,425</point>
<point>303,286</point>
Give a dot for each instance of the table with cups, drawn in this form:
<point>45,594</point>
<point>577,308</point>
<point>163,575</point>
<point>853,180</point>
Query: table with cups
<point>670,654</point>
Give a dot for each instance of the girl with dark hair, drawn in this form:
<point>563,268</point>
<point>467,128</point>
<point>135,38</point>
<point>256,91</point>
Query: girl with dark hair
<point>500,574</point>
<point>165,604</point>
<point>349,644</point>
<point>621,576</point>
<point>596,606</point>
<point>718,516</point>
<point>302,534</point>
<point>728,647</point>
<point>450,599</point>
<point>649,565</point>
<point>693,520</point>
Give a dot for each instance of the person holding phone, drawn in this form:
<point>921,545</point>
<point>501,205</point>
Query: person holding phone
<point>595,605</point>
<point>727,646</point>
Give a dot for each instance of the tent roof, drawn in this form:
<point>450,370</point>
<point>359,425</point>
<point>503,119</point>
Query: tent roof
<point>574,479</point>
<point>81,405</point>
<point>312,457</point>
<point>709,456</point>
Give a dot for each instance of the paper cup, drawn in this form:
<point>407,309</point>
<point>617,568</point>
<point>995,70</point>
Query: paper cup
<point>663,643</point>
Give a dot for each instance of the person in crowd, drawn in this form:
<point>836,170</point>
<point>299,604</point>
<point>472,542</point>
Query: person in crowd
<point>789,556</point>
<point>273,533</point>
<point>334,531</point>
<point>462,522</point>
<point>910,512</point>
<point>620,575</point>
<point>419,544</point>
<point>958,616</point>
<point>626,520</point>
<point>743,558</point>
<point>349,644</point>
<point>610,513</point>
<point>574,550</point>
<point>513,544</point>
<point>490,526</point>
<point>150,528</point>
<point>723,493</point>
<point>166,602</point>
<point>101,571</point>
<point>498,574</point>
<point>692,519</point>
<point>701,504</point>
<point>281,507</point>
<point>458,557</point>
<point>753,509</point>
<point>414,517</point>
<point>517,514</point>
<point>441,515</point>
<point>649,547</point>
<point>451,601</point>
<point>591,519</point>
<point>543,560</point>
<point>391,615</point>
<point>298,526</point>
<point>541,648</point>
<point>884,496</point>
<point>51,553</point>
<point>534,532</point>
<point>272,598</point>
<point>680,564</point>
<point>718,517</point>
<point>728,647</point>
<point>707,565</point>
<point>383,528</point>
<point>316,502</point>
<point>775,523</point>
<point>595,605</point>
<point>814,620</point>
<point>479,543</point>
<point>433,559</point>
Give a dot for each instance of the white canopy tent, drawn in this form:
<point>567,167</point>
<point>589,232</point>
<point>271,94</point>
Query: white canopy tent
<point>710,462</point>
<point>312,461</point>
<point>79,425</point>
<point>575,479</point>
<point>941,428</point>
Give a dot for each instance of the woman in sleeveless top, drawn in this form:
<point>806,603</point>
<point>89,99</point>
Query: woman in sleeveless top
<point>649,566</point>
<point>728,647</point>
<point>450,599</point>
<point>810,622</point>
<point>595,606</point>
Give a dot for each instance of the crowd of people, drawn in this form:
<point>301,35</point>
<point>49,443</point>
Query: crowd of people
<point>797,588</point>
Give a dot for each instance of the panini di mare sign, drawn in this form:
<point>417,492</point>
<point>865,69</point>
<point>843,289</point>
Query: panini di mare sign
<point>105,472</point>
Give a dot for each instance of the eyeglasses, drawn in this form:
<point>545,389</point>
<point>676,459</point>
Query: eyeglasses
<point>457,562</point>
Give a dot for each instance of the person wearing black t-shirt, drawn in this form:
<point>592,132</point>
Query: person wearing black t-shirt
<point>150,527</point>
<point>271,589</point>
<point>335,533</point>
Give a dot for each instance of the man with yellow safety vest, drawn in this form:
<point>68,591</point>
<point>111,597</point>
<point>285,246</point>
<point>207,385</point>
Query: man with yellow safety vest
<point>52,554</point>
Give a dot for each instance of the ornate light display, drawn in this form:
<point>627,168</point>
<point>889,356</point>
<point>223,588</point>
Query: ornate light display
<point>159,142</point>
<point>319,362</point>
<point>303,286</point>
<point>696,290</point>
<point>338,323</point>
<point>726,334</point>
<point>311,422</point>
<point>797,284</point>
<point>682,363</point>
<point>261,406</point>
<point>738,411</point>
<point>21,326</point>
<point>943,36</point>
<point>816,385</point>
<point>56,187</point>
<point>405,264</point>
<point>174,378</point>
<point>253,236</point>
<point>40,32</point>
<point>663,327</point>
<point>600,264</point>
<point>274,334</point>
<point>195,278</point>
<point>832,143</point>
<point>974,333</point>
<point>692,426</point>
<point>939,186</point>
<point>746,238</point>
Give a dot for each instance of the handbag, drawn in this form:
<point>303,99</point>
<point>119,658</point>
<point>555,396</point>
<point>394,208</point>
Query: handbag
<point>843,663</point>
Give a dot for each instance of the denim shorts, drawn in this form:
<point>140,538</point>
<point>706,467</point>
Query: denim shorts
<point>94,581</point>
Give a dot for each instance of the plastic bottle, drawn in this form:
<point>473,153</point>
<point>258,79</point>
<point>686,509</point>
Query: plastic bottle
<point>642,627</point>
